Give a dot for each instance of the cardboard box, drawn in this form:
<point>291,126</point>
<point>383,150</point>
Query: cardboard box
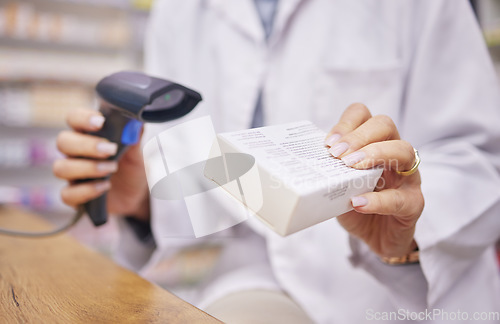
<point>299,183</point>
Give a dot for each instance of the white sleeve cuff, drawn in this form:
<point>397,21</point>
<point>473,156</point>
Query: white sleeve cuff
<point>131,252</point>
<point>406,284</point>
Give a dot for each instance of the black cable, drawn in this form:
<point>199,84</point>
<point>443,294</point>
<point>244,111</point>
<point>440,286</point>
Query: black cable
<point>79,213</point>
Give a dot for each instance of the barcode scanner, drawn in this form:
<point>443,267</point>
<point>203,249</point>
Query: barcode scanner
<point>127,100</point>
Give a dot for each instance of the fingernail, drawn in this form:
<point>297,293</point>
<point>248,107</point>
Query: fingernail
<point>338,149</point>
<point>354,158</point>
<point>102,186</point>
<point>96,121</point>
<point>359,201</point>
<point>330,140</point>
<point>111,166</point>
<point>107,147</point>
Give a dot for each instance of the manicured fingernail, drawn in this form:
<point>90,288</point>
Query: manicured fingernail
<point>338,149</point>
<point>354,158</point>
<point>96,121</point>
<point>102,186</point>
<point>107,147</point>
<point>330,140</point>
<point>359,201</point>
<point>111,166</point>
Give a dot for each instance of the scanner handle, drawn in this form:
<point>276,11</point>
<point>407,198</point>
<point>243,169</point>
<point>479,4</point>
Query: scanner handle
<point>124,131</point>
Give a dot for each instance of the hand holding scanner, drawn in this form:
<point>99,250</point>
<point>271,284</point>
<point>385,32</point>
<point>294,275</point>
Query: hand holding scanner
<point>127,100</point>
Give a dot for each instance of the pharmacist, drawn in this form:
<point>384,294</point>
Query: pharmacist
<point>422,73</point>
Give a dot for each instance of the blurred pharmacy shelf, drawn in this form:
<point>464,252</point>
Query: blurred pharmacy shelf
<point>52,53</point>
<point>69,40</point>
<point>41,104</point>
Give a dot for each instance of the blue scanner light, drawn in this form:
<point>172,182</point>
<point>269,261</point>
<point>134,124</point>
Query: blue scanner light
<point>131,132</point>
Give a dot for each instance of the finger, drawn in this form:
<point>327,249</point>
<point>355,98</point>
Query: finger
<point>82,145</point>
<point>396,155</point>
<point>397,202</point>
<point>85,120</point>
<point>354,116</point>
<point>376,129</point>
<point>73,169</point>
<point>78,194</point>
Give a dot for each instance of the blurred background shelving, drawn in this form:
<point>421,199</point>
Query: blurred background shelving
<point>52,53</point>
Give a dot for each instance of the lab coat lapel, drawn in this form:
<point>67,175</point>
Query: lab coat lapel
<point>286,9</point>
<point>242,14</point>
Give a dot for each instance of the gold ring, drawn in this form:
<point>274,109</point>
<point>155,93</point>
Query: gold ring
<point>414,168</point>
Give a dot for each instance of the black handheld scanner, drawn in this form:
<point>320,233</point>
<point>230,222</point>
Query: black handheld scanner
<point>127,100</point>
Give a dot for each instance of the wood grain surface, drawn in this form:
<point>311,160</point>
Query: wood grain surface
<point>57,280</point>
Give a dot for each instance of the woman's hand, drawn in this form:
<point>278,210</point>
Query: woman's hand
<point>85,154</point>
<point>385,219</point>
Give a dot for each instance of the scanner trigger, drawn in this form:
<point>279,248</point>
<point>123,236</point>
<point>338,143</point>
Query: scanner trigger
<point>131,132</point>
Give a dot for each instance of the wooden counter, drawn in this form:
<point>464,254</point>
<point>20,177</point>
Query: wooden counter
<point>56,279</point>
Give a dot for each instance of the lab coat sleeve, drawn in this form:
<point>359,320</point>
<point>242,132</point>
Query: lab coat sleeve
<point>131,252</point>
<point>451,114</point>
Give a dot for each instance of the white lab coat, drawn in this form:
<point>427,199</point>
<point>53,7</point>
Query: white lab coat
<point>421,62</point>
